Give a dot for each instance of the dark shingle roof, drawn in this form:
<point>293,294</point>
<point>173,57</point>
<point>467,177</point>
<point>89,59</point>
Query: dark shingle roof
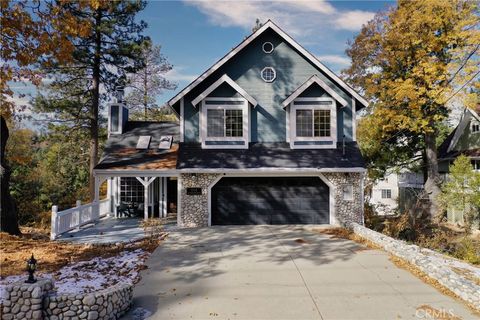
<point>120,150</point>
<point>442,150</point>
<point>268,155</point>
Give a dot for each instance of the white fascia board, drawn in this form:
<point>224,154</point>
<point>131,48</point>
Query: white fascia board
<point>217,83</point>
<point>474,114</point>
<point>135,173</point>
<point>314,79</point>
<point>464,121</point>
<point>287,38</point>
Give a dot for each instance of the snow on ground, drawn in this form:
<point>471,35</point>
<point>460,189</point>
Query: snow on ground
<point>92,275</point>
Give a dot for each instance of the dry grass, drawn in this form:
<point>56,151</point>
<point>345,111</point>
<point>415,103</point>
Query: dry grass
<point>343,233</point>
<point>430,281</point>
<point>53,255</point>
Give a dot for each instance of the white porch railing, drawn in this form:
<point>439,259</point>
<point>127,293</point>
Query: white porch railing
<point>66,220</point>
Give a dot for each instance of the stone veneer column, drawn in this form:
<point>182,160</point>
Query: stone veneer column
<point>194,208</point>
<point>347,210</point>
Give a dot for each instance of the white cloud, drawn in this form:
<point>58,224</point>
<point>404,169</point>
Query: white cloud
<point>353,20</point>
<point>299,18</point>
<point>335,59</point>
<point>176,74</point>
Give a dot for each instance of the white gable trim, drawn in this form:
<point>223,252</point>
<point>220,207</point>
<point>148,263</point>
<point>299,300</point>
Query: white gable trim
<point>474,114</point>
<point>464,121</point>
<point>253,36</point>
<point>314,79</point>
<point>217,83</point>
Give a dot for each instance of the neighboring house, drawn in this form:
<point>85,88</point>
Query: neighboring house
<point>465,139</point>
<point>396,191</point>
<point>265,136</point>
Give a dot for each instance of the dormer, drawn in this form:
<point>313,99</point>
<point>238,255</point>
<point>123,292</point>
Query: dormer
<point>312,115</point>
<point>224,115</point>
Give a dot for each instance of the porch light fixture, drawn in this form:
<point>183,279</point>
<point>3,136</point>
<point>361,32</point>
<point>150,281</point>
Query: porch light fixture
<point>194,176</point>
<point>31,267</point>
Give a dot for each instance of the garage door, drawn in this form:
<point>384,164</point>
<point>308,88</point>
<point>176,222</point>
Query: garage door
<point>269,200</point>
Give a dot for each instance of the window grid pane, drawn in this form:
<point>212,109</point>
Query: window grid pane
<point>215,123</point>
<point>233,123</point>
<point>321,123</point>
<point>304,123</point>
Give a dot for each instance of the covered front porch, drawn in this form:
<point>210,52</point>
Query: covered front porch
<point>130,198</point>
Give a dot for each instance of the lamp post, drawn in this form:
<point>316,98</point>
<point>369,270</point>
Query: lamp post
<point>31,267</point>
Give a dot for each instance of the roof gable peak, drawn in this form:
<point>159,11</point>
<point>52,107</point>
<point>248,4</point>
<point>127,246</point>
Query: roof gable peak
<point>269,25</point>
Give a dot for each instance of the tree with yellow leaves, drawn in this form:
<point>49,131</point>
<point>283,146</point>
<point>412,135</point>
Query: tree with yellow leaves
<point>410,61</point>
<point>32,32</point>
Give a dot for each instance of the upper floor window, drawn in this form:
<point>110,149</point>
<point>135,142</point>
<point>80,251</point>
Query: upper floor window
<point>475,127</point>
<point>224,123</point>
<point>386,193</point>
<point>267,47</point>
<point>312,123</point>
<point>268,74</point>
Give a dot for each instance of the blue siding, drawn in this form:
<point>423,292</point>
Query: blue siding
<point>268,119</point>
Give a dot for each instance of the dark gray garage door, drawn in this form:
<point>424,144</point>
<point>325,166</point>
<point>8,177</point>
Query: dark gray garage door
<point>269,200</point>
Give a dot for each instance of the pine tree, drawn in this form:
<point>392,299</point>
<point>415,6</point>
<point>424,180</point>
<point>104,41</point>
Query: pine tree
<point>149,80</point>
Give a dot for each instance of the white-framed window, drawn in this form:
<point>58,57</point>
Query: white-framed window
<point>348,192</point>
<point>386,193</point>
<point>268,74</point>
<point>475,128</point>
<point>224,123</point>
<point>268,47</point>
<point>476,165</point>
<point>312,123</point>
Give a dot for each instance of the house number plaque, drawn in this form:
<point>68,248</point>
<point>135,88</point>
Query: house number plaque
<point>194,191</point>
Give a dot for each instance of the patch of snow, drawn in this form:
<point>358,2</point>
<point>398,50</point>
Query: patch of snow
<point>91,275</point>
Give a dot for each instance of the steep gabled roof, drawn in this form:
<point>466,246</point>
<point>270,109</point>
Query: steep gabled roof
<point>314,79</point>
<point>231,83</point>
<point>269,25</point>
<point>446,149</point>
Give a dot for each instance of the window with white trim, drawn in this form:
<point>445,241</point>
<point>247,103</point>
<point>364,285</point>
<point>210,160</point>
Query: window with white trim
<point>476,165</point>
<point>268,74</point>
<point>386,193</point>
<point>475,127</point>
<point>313,123</point>
<point>267,47</point>
<point>224,123</point>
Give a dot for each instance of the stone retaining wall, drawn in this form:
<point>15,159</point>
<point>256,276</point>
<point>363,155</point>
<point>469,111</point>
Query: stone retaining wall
<point>38,301</point>
<point>194,208</point>
<point>435,265</point>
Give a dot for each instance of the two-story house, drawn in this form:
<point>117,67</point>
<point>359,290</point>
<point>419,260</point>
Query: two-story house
<point>265,136</point>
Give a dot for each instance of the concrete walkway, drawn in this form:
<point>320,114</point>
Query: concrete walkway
<point>280,272</point>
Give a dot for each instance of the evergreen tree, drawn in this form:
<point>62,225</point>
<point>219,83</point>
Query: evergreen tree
<point>101,58</point>
<point>149,80</point>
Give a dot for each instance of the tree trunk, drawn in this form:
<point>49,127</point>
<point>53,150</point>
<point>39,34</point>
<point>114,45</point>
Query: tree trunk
<point>8,208</point>
<point>95,104</point>
<point>145,93</point>
<point>432,185</point>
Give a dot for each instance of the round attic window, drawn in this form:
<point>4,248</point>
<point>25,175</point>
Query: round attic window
<point>267,47</point>
<point>268,74</point>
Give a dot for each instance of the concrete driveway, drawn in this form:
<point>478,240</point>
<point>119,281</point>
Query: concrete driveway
<point>281,272</point>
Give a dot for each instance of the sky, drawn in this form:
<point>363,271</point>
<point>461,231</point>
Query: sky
<point>195,34</point>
